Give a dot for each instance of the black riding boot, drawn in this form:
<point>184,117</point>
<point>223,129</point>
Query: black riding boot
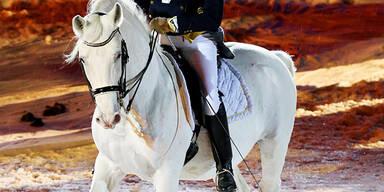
<point>221,149</point>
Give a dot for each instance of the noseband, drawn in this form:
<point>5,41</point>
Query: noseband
<point>122,85</point>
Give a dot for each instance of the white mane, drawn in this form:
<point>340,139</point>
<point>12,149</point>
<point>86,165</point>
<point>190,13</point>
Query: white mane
<point>130,9</point>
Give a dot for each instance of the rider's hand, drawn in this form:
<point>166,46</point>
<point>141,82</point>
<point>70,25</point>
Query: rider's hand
<point>161,25</point>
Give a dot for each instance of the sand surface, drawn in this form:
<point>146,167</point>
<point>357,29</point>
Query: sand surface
<point>59,156</point>
<point>338,140</point>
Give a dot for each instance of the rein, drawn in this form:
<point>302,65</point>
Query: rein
<point>121,88</point>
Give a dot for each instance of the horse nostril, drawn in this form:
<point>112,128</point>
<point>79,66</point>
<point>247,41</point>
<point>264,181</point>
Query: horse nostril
<point>117,118</point>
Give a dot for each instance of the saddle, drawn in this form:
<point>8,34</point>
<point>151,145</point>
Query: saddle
<point>228,81</point>
<point>193,81</point>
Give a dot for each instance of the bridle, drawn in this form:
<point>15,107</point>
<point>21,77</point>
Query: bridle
<point>122,85</point>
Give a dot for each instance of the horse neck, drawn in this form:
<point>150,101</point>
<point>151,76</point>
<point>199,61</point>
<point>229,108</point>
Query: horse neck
<point>155,98</point>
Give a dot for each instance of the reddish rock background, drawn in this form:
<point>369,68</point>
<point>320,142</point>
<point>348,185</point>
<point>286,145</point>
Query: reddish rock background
<point>338,48</point>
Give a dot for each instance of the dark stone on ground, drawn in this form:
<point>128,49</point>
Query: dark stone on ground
<point>28,117</point>
<point>37,123</point>
<point>56,109</point>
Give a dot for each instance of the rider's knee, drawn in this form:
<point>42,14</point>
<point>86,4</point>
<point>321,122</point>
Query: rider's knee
<point>212,103</point>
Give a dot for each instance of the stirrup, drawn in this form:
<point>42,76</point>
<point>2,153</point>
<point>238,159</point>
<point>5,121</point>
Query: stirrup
<point>221,172</point>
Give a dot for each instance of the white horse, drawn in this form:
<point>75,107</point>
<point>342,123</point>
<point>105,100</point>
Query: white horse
<point>152,140</point>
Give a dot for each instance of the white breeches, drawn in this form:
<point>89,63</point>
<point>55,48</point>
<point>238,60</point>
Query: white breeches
<point>202,55</point>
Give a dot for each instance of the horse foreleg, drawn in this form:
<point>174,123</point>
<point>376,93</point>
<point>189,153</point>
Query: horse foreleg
<point>106,175</point>
<point>166,178</point>
<point>273,153</point>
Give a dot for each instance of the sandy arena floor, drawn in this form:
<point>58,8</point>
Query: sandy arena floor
<point>338,140</point>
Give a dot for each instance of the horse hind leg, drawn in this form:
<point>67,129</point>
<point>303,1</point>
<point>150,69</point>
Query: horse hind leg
<point>242,185</point>
<point>273,151</point>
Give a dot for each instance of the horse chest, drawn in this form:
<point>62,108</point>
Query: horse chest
<point>127,152</point>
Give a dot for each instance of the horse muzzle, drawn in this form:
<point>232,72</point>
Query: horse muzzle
<point>108,115</point>
<point>108,121</point>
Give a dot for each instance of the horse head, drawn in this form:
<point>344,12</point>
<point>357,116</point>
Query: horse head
<point>100,55</point>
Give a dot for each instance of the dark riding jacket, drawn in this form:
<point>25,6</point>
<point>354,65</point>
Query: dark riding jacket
<point>192,15</point>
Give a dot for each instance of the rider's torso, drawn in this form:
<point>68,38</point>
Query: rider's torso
<point>175,8</point>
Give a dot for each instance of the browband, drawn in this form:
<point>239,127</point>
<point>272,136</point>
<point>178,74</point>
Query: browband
<point>104,42</point>
<point>99,13</point>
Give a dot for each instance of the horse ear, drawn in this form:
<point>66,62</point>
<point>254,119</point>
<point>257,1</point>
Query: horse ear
<point>116,14</point>
<point>78,24</point>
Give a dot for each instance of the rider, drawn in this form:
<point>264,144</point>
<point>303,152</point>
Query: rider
<point>190,25</point>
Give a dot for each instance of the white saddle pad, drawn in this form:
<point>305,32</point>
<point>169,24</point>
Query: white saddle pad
<point>236,98</point>
<point>236,95</point>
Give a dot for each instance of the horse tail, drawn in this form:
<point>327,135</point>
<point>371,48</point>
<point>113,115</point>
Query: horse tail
<point>286,58</point>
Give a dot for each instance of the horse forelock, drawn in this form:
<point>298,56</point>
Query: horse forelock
<point>94,28</point>
<point>92,31</point>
